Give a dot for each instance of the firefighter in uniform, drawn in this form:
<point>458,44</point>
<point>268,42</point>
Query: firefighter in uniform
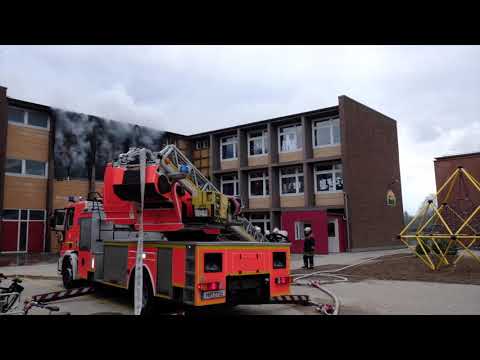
<point>308,249</point>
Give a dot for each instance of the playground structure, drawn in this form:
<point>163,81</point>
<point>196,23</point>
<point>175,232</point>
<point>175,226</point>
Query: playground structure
<point>446,223</point>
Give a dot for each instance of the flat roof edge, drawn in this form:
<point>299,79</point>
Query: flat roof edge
<point>260,122</point>
<point>472,154</point>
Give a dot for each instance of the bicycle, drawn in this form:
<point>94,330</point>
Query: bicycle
<point>10,296</point>
<point>29,304</point>
<point>10,300</point>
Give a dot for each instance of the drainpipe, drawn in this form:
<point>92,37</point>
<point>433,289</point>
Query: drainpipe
<point>347,222</point>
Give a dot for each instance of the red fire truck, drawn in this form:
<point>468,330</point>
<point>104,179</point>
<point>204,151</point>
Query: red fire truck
<point>198,249</point>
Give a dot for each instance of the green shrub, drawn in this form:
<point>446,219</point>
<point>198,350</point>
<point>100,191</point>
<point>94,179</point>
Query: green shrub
<point>420,251</point>
<point>443,244</point>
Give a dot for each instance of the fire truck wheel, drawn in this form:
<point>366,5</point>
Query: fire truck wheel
<point>147,296</point>
<point>147,293</point>
<point>67,274</point>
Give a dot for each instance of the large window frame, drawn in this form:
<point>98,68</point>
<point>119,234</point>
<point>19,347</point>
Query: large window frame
<point>26,116</point>
<point>24,169</point>
<point>26,220</point>
<point>300,229</point>
<point>262,219</point>
<point>330,124</point>
<point>264,140</point>
<point>264,178</point>
<point>336,172</point>
<point>229,140</point>
<point>233,181</point>
<point>297,175</point>
<point>296,130</point>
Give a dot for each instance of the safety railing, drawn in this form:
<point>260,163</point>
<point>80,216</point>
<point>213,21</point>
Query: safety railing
<point>251,229</point>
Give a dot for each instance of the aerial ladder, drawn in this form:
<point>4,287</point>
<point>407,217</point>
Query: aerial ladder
<point>175,162</point>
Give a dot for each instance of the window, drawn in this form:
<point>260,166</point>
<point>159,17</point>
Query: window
<point>258,184</point>
<point>13,166</point>
<point>279,260</point>
<point>261,220</point>
<point>229,148</point>
<point>198,145</point>
<point>36,118</point>
<point>331,229</point>
<point>300,229</point>
<point>70,215</point>
<point>16,115</point>
<point>326,133</point>
<point>33,167</point>
<point>25,229</point>
<point>328,178</point>
<point>26,167</point>
<point>10,214</point>
<point>291,180</point>
<point>212,262</point>
<point>258,143</point>
<point>229,184</point>
<point>205,144</point>
<point>28,117</point>
<point>290,138</point>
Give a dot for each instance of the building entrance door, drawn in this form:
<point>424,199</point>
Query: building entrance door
<point>333,238</point>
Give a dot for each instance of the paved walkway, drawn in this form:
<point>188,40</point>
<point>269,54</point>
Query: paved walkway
<point>400,297</point>
<point>345,258</point>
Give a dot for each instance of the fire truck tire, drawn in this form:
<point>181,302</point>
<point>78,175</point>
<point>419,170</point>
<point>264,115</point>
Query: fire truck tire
<point>67,274</point>
<point>147,293</point>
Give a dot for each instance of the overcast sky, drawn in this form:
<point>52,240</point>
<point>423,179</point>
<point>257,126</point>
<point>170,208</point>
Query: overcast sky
<point>432,91</point>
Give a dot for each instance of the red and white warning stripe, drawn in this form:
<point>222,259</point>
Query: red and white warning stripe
<point>59,295</point>
<point>290,299</point>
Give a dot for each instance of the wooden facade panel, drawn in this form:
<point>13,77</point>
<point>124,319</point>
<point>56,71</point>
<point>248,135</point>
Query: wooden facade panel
<point>204,163</point>
<point>259,160</point>
<point>290,156</point>
<point>197,163</point>
<point>183,144</point>
<point>204,153</point>
<point>63,189</point>
<point>329,199</point>
<point>259,203</point>
<point>292,201</point>
<point>196,154</point>
<point>327,151</point>
<point>229,164</point>
<point>25,193</point>
<point>27,143</point>
<point>99,187</point>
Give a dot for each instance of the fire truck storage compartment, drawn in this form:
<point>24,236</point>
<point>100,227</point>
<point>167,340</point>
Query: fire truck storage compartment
<point>93,232</point>
<point>248,289</point>
<point>189,290</point>
<point>164,272</point>
<point>85,234</point>
<point>115,264</point>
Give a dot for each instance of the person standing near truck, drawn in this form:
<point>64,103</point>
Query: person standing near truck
<point>308,249</point>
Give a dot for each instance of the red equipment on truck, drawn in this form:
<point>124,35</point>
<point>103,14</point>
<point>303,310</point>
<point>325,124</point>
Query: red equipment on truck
<point>197,248</point>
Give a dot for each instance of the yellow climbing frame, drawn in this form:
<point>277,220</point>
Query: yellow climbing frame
<point>464,236</point>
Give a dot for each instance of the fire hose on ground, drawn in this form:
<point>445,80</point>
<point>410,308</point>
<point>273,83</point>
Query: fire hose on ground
<point>327,309</point>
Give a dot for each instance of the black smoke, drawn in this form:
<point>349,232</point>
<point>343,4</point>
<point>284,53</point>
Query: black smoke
<point>82,141</point>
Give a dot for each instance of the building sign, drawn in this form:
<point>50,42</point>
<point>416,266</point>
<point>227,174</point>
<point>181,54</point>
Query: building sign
<point>391,199</point>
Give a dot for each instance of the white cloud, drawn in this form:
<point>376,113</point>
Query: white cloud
<point>432,91</point>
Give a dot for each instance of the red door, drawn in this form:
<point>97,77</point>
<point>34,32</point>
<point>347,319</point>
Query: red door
<point>36,231</point>
<point>10,236</point>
